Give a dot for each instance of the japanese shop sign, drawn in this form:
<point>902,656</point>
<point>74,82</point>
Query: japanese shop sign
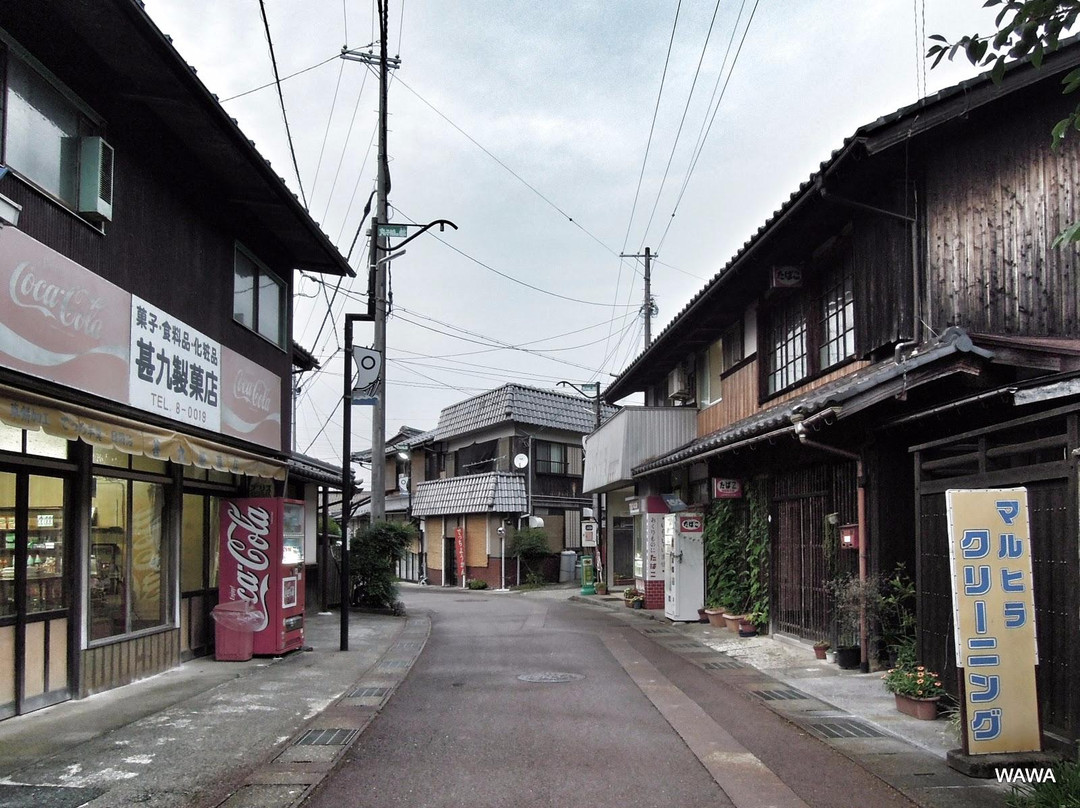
<point>59,321</point>
<point>175,370</point>
<point>459,547</point>
<point>726,489</point>
<point>994,618</point>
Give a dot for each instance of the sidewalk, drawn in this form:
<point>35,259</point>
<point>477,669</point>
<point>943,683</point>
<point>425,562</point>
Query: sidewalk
<point>208,733</point>
<point>850,711</point>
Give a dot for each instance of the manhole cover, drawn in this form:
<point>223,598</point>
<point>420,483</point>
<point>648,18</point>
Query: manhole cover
<point>550,677</point>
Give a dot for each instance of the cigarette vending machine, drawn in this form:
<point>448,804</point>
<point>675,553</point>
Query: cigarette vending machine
<point>262,563</point>
<point>684,553</point>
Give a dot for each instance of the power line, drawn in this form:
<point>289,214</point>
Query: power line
<point>326,134</point>
<point>281,98</point>
<point>283,78</point>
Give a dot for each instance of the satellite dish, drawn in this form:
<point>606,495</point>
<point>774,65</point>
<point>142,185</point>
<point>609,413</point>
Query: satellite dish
<point>521,461</point>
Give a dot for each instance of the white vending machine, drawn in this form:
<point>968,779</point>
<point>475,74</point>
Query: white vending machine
<point>684,557</point>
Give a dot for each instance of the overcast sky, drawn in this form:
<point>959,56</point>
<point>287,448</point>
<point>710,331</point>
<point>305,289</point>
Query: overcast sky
<point>527,124</point>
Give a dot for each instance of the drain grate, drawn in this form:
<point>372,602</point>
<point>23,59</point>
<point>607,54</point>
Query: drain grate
<point>686,645</point>
<point>368,693</point>
<point>327,737</point>
<point>550,677</point>
<point>657,631</point>
<point>409,645</point>
<point>722,664</point>
<point>844,728</point>
<point>394,663</point>
<point>780,695</point>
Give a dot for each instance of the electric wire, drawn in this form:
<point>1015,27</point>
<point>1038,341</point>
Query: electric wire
<point>326,133</point>
<point>682,120</point>
<point>283,78</point>
<point>344,151</point>
<point>281,98</point>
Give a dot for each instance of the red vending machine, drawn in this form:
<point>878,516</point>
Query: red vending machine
<point>262,563</point>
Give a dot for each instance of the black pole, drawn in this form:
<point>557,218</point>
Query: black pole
<point>346,483</point>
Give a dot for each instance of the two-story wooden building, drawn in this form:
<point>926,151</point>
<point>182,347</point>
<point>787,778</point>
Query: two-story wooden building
<point>146,266</point>
<point>493,459</point>
<point>901,326</point>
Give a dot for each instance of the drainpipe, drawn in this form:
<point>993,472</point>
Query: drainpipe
<point>864,633</point>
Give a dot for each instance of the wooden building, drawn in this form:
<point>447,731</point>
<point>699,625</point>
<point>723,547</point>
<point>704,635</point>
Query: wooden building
<point>146,259</point>
<point>900,326</point>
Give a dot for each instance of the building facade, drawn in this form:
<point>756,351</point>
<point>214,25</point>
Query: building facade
<point>146,261</point>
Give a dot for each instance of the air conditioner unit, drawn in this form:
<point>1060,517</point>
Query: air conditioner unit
<point>679,384</point>
<point>95,179</point>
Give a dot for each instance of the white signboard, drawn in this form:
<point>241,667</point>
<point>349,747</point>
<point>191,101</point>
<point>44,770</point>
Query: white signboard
<point>175,371</point>
<point>588,533</point>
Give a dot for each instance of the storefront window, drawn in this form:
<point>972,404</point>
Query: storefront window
<point>10,438</point>
<point>199,542</point>
<point>38,443</point>
<point>128,567</point>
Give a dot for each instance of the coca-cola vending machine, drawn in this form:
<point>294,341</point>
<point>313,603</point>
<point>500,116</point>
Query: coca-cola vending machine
<point>262,563</point>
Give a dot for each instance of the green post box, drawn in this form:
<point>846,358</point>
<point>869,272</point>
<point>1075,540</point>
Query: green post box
<point>587,583</point>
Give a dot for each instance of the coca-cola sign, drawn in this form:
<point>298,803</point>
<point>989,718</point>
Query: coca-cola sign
<point>251,401</point>
<point>247,546</point>
<point>59,321</point>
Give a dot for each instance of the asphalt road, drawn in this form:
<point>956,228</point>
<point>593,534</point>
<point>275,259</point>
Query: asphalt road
<point>634,724</point>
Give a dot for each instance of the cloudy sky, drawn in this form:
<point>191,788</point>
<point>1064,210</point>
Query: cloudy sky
<point>556,135</point>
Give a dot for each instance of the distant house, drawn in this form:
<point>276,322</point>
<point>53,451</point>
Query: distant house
<point>900,327</point>
<point>493,460</point>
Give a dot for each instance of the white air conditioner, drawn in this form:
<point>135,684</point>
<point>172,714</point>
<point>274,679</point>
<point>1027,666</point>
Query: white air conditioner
<point>95,179</point>
<point>679,384</point>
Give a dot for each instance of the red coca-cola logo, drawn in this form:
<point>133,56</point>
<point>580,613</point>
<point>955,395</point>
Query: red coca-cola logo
<point>253,391</point>
<point>247,545</point>
<point>73,308</point>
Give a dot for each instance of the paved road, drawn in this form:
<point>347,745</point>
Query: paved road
<point>636,724</point>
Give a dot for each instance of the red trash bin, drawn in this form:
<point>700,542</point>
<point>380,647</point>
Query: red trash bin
<point>235,621</point>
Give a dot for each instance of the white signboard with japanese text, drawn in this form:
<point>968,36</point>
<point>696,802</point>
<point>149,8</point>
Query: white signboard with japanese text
<point>175,371</point>
<point>994,618</point>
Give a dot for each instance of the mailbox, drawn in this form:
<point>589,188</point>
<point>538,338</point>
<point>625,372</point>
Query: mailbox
<point>849,537</point>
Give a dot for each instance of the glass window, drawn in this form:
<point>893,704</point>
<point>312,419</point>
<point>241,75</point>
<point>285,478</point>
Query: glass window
<point>7,544</point>
<point>110,457</point>
<point>199,543</point>
<point>258,298</point>
<point>786,360</point>
<point>551,458</point>
<point>10,438</point>
<point>128,561</point>
<point>837,315</point>
<point>38,443</point>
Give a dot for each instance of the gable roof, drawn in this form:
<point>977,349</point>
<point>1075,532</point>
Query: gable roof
<point>914,120</point>
<point>515,403</point>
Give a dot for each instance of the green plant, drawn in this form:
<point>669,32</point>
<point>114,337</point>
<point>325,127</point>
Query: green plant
<point>914,681</point>
<point>631,594</point>
<point>897,610</point>
<point>757,554</point>
<point>823,645</point>
<point>534,579</point>
<point>476,583</point>
<point>373,556</point>
<point>531,543</point>
<point>1061,792</point>
<point>851,596</point>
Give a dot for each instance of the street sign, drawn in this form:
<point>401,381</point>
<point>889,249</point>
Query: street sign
<point>393,230</point>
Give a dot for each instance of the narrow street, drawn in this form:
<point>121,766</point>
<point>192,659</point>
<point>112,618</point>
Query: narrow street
<point>631,722</point>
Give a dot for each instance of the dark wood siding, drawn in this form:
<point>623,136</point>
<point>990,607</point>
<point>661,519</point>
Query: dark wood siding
<point>884,296</point>
<point>996,197</point>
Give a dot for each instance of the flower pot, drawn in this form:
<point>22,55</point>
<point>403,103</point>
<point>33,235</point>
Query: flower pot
<point>848,657</point>
<point>733,620</point>
<point>601,589</point>
<point>637,604</point>
<point>820,651</point>
<point>747,629</point>
<point>702,617</point>
<point>924,709</point>
<point>716,618</point>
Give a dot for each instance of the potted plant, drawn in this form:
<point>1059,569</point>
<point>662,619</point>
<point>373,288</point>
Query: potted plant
<point>715,613</point>
<point>917,690</point>
<point>633,598</point>
<point>601,587</point>
<point>852,598</point>
<point>820,647</point>
<point>748,624</point>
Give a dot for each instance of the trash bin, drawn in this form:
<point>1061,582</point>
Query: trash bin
<point>567,562</point>
<point>234,628</point>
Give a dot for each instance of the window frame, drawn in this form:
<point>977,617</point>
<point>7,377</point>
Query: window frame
<point>548,464</point>
<point>254,297</point>
<point>89,123</point>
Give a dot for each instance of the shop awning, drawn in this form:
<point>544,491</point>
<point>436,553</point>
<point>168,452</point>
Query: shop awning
<point>62,420</point>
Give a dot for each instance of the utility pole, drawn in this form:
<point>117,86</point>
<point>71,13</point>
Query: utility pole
<point>378,416</point>
<point>648,307</point>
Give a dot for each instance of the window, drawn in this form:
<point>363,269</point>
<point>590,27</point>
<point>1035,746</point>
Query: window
<point>837,315</point>
<point>732,346</point>
<point>258,298</point>
<point>128,564</point>
<point>785,345</point>
<point>199,543</point>
<point>45,127</point>
<point>551,458</point>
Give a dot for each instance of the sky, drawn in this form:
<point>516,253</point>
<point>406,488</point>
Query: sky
<point>557,136</point>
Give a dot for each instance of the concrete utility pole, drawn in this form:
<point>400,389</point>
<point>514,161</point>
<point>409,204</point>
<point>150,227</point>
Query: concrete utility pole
<point>648,308</point>
<point>378,416</point>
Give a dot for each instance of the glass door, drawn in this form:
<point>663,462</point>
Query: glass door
<point>34,592</point>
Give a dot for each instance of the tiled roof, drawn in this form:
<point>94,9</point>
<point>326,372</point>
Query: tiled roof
<point>839,392</point>
<point>394,443</point>
<point>496,492</point>
<point>309,468</point>
<point>522,405</point>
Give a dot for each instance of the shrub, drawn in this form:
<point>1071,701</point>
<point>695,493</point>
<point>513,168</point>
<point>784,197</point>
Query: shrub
<point>373,556</point>
<point>476,583</point>
<point>1061,792</point>
<point>914,681</point>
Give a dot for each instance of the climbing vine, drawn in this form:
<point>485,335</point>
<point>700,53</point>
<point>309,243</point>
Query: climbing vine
<point>737,555</point>
<point>757,553</point>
